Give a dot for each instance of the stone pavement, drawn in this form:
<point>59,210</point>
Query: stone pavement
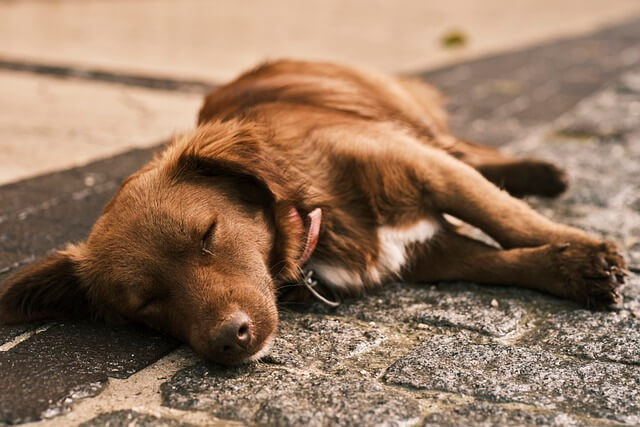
<point>60,123</point>
<point>448,354</point>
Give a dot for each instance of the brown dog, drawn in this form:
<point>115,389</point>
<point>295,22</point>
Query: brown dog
<point>199,241</point>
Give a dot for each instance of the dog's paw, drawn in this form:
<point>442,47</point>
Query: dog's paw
<point>540,178</point>
<point>529,177</point>
<point>591,273</point>
<point>552,181</point>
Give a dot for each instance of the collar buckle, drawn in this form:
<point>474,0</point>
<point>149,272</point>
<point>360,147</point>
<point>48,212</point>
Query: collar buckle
<point>310,283</point>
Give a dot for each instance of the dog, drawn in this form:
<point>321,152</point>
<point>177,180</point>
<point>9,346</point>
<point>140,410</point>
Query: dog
<point>298,167</point>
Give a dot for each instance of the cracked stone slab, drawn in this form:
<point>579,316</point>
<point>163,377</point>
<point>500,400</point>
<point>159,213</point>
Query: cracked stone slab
<point>268,395</point>
<point>42,376</point>
<point>321,342</point>
<point>128,418</point>
<point>607,336</point>
<point>487,414</point>
<point>491,311</point>
<point>511,374</point>
<point>467,307</point>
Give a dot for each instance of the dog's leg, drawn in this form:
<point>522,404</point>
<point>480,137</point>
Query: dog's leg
<point>520,177</point>
<point>453,187</point>
<point>564,271</point>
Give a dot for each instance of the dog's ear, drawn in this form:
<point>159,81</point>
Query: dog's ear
<point>45,290</point>
<point>234,148</point>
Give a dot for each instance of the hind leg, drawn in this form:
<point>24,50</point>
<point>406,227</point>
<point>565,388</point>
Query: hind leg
<point>575,273</point>
<point>451,186</point>
<point>519,177</point>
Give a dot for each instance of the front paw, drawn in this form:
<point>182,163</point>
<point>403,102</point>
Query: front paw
<point>591,273</point>
<point>534,177</point>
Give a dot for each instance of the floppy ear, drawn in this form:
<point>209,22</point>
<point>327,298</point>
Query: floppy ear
<point>242,150</point>
<point>47,289</point>
<point>237,148</point>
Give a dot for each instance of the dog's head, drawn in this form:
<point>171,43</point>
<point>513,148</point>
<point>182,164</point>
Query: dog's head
<point>190,245</point>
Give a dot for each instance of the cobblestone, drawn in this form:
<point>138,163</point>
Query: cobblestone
<point>132,419</point>
<point>487,414</point>
<point>501,373</point>
<point>268,395</point>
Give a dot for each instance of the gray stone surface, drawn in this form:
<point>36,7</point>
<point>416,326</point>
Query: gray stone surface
<point>44,375</point>
<point>601,336</point>
<point>503,373</point>
<point>488,414</point>
<point>321,342</point>
<point>489,311</point>
<point>496,99</point>
<point>132,419</point>
<point>268,395</point>
<point>42,213</point>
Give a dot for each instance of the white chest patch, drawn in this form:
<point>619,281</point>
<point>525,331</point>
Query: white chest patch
<point>392,256</point>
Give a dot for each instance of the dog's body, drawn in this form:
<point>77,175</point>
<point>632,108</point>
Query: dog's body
<point>199,241</point>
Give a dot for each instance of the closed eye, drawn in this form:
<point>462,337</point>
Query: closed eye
<point>204,243</point>
<point>149,303</point>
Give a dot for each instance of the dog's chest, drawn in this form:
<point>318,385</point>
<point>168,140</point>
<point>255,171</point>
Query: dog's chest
<point>392,256</point>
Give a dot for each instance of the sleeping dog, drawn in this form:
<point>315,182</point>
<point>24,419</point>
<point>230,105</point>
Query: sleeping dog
<point>298,167</point>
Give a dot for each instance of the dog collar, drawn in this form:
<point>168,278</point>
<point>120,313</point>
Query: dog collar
<point>315,218</point>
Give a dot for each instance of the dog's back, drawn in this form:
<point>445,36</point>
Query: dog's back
<point>302,87</point>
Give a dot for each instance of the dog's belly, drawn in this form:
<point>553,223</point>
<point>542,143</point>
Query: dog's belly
<point>392,257</point>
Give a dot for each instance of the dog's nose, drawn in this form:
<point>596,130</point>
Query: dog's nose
<point>233,336</point>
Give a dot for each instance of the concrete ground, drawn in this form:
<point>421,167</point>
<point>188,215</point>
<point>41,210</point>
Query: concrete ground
<point>216,40</point>
<point>47,125</point>
<point>450,354</point>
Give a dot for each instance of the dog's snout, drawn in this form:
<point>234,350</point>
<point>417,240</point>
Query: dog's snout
<point>233,336</point>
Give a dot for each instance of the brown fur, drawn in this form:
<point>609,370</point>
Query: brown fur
<point>203,231</point>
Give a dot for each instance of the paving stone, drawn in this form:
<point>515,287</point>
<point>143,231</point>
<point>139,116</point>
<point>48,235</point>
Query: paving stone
<point>42,376</point>
<point>487,414</point>
<point>501,373</point>
<point>132,419</point>
<point>488,310</point>
<point>42,213</point>
<point>497,99</point>
<point>268,395</point>
<point>608,336</point>
<point>321,342</point>
<point>65,123</point>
